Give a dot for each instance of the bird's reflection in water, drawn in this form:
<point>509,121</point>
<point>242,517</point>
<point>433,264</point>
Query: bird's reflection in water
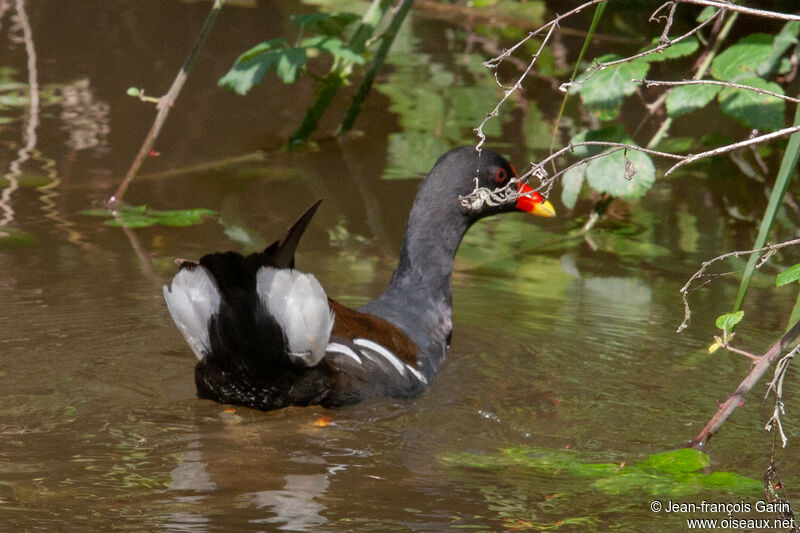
<point>295,506</point>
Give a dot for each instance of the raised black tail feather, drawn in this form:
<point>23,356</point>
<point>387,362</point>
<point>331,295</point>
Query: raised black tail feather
<point>282,251</point>
<point>243,365</point>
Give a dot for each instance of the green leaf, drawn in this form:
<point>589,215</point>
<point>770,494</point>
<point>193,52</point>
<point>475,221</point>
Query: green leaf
<point>308,18</point>
<point>675,145</point>
<point>754,110</point>
<point>785,39</point>
<point>15,237</point>
<point>706,14</point>
<point>687,98</point>
<point>612,133</point>
<point>741,60</point>
<point>604,91</point>
<point>250,68</point>
<point>257,50</point>
<point>728,321</point>
<point>289,64</point>
<point>571,184</point>
<point>331,24</point>
<point>185,217</point>
<point>132,220</point>
<point>334,46</point>
<point>608,174</point>
<point>140,216</point>
<point>133,91</point>
<point>788,276</point>
<point>682,48</point>
<point>676,461</point>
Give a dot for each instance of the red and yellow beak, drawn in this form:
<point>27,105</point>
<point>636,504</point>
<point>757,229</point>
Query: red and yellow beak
<point>532,202</point>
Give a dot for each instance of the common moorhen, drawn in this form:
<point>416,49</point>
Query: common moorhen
<point>267,336</point>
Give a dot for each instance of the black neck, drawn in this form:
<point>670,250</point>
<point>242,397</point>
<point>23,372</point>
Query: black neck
<point>429,250</point>
<point>419,296</point>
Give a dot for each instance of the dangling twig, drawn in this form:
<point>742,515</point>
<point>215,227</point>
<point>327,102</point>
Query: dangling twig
<point>165,104</point>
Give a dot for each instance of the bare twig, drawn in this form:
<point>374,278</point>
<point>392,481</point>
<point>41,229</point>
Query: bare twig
<point>663,44</point>
<point>495,62</point>
<point>737,398</point>
<point>657,83</point>
<point>769,250</point>
<point>761,139</point>
<point>508,91</point>
<point>165,104</point>
<point>776,386</point>
<point>719,4</point>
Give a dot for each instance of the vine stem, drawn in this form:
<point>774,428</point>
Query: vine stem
<point>165,104</point>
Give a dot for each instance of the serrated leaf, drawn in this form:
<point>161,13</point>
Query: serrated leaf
<point>754,110</point>
<point>789,275</point>
<point>607,174</point>
<point>687,98</point>
<point>604,91</point>
<point>728,321</point>
<point>250,68</point>
<point>682,48</point>
<point>334,46</point>
<point>741,60</point>
<point>571,184</point>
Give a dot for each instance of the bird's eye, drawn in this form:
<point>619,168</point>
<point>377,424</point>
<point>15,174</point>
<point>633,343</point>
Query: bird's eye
<point>500,176</point>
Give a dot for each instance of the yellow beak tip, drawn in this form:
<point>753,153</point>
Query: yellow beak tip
<point>544,209</point>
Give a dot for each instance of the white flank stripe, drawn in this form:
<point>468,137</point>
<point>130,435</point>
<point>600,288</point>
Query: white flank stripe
<point>335,347</point>
<point>383,352</point>
<point>417,374</point>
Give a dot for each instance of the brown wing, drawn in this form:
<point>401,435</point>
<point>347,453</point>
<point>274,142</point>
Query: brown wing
<point>352,324</point>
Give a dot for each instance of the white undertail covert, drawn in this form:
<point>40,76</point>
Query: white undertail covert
<point>299,304</point>
<point>192,301</point>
